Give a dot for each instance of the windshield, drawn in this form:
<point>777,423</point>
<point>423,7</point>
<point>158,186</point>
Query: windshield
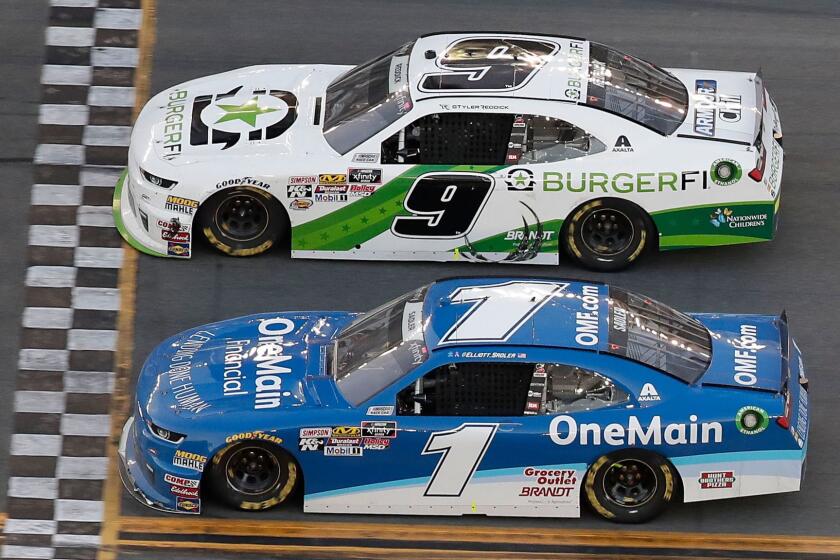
<point>646,331</point>
<point>379,348</point>
<point>633,88</point>
<point>366,99</point>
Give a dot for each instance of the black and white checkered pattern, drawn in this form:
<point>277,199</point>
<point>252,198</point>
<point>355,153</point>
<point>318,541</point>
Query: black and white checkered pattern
<point>58,462</point>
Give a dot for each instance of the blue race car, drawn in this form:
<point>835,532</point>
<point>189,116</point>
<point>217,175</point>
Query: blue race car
<point>492,396</point>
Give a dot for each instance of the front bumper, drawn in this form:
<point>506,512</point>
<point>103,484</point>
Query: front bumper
<point>138,485</point>
<point>130,214</point>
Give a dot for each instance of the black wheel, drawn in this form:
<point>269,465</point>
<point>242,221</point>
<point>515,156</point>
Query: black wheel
<point>607,235</point>
<point>243,221</point>
<point>254,475</point>
<point>630,486</point>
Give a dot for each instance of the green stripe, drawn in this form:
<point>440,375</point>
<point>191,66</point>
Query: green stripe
<point>706,206</point>
<point>364,219</point>
<point>698,240</point>
<point>118,221</point>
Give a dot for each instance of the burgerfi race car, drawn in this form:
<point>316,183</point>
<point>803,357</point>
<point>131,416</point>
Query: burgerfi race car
<point>488,147</point>
<point>490,396</point>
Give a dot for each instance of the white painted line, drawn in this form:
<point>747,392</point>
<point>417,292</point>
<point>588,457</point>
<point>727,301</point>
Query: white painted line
<point>107,299</point>
<point>19,551</point>
<point>92,382</point>
<point>68,115</point>
<point>36,445</point>
<point>118,18</point>
<point>85,424</point>
<point>75,3</point>
<point>51,276</point>
<point>47,318</point>
<point>106,136</point>
<point>111,96</point>
<point>30,526</point>
<point>66,75</point>
<point>39,401</point>
<point>64,539</point>
<point>33,487</point>
<point>90,339</point>
<point>83,468</point>
<point>53,236</point>
<point>96,216</point>
<point>120,57</point>
<point>39,359</point>
<point>60,154</point>
<point>56,195</point>
<point>98,257</point>
<point>71,36</point>
<point>78,510</point>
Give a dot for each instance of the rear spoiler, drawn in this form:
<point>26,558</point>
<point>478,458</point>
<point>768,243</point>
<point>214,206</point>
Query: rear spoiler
<point>760,104</point>
<point>784,343</point>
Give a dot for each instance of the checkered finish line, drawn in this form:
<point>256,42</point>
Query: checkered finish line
<point>59,442</point>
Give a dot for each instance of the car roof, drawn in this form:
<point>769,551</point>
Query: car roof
<point>511,311</point>
<point>560,75</point>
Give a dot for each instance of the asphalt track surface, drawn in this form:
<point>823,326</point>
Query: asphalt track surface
<point>21,52</point>
<point>795,45</point>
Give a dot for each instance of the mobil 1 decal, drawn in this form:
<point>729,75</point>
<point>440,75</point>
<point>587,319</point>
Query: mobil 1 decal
<point>443,205</point>
<point>489,64</point>
<point>241,115</point>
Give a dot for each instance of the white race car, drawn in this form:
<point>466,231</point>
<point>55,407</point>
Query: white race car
<point>493,147</point>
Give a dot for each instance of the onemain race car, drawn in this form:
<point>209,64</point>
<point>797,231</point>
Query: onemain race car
<point>492,396</point>
<point>501,147</point>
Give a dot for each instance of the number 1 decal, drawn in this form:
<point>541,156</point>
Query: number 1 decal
<point>498,310</point>
<point>462,448</point>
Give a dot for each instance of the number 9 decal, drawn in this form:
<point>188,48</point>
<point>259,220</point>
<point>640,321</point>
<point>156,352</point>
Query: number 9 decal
<point>443,205</point>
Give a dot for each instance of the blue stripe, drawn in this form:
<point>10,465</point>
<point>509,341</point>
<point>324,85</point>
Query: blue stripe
<point>771,455</point>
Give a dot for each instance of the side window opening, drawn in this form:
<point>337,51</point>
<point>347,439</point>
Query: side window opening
<point>548,139</point>
<point>560,388</point>
<point>451,139</point>
<point>469,389</point>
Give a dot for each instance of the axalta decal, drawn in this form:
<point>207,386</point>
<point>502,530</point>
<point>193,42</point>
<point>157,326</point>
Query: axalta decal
<point>624,183</point>
<point>565,430</point>
<point>180,369</point>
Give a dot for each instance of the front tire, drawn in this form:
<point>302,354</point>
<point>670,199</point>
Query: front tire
<point>254,475</point>
<point>243,221</point>
<point>630,486</point>
<point>607,235</point>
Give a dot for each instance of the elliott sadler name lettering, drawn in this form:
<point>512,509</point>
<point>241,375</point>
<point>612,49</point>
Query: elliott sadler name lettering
<point>586,322</point>
<point>564,430</point>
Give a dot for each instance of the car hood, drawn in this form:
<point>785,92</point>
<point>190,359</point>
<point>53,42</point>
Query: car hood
<point>722,105</point>
<point>746,351</point>
<point>257,363</point>
<point>254,110</point>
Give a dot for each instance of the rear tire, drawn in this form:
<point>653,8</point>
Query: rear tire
<point>243,221</point>
<point>607,234</point>
<point>254,475</point>
<point>630,486</point>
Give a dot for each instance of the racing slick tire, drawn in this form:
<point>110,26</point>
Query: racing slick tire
<point>630,486</point>
<point>253,475</point>
<point>607,234</point>
<point>243,221</point>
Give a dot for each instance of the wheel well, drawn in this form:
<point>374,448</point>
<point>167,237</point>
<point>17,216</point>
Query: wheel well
<point>204,204</point>
<point>211,459</point>
<point>644,213</point>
